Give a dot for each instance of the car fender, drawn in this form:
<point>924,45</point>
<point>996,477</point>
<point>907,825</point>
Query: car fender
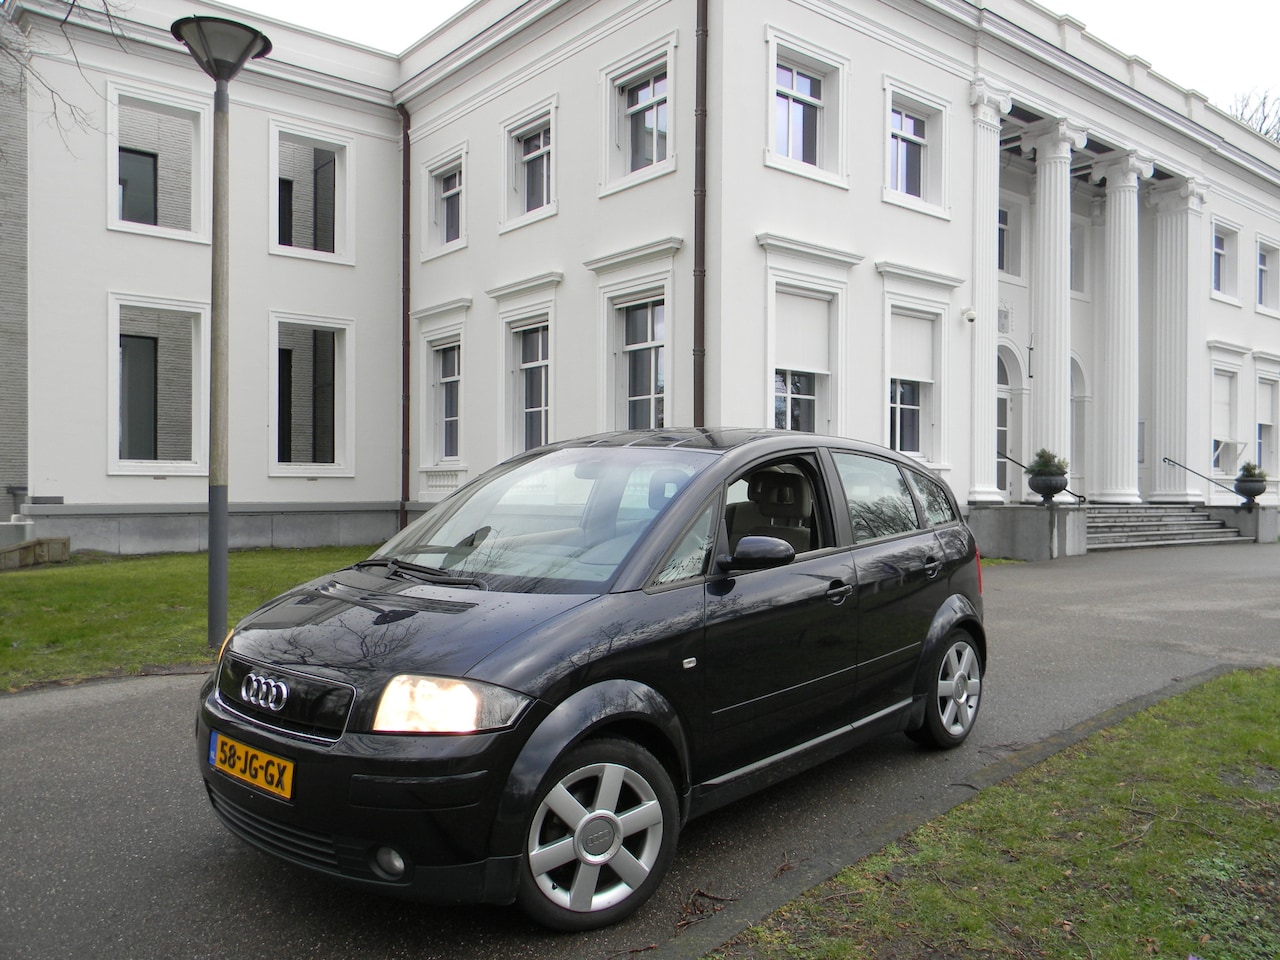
<point>956,611</point>
<point>599,706</point>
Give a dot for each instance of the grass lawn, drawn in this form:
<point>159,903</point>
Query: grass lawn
<point>1157,837</point>
<point>105,616</point>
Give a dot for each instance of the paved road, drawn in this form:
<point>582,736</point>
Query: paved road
<point>108,848</point>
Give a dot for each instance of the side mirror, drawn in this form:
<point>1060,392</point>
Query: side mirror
<point>758,553</point>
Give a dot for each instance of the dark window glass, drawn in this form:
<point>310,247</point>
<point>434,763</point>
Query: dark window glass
<point>138,395</point>
<point>138,186</point>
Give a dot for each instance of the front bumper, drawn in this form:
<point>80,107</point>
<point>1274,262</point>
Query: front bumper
<point>430,799</point>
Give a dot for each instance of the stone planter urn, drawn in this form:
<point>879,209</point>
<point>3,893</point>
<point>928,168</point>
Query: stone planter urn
<point>1251,487</point>
<point>1048,485</point>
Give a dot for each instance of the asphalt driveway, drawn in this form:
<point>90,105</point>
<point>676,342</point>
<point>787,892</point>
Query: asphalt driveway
<point>109,848</point>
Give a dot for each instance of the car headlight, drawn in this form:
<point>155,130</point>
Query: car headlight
<point>413,704</point>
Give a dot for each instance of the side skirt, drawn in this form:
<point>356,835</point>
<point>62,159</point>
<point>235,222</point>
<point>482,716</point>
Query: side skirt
<point>739,783</point>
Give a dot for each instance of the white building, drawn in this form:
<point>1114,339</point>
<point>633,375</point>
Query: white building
<point>960,229</point>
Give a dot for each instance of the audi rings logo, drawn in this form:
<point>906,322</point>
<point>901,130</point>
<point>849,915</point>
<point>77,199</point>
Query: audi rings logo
<point>265,692</point>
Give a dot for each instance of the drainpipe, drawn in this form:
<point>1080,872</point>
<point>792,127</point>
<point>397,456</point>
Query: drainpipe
<point>404,315</point>
<point>700,219</point>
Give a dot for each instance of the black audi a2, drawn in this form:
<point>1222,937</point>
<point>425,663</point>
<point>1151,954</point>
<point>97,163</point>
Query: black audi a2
<point>526,693</point>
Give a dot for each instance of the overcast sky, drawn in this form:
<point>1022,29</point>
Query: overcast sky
<point>1224,51</point>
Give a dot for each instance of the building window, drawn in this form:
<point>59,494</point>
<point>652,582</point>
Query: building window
<point>1079,259</point>
<point>798,108</point>
<point>907,147</point>
<point>448,361</point>
<point>1225,243</point>
<point>643,358</point>
<point>915,149</point>
<point>805,129</point>
<point>533,399</point>
<point>530,193</point>
<point>306,379</point>
<point>1009,238</point>
<point>313,406</point>
<point>313,181</point>
<point>156,411</point>
<point>646,120</point>
<point>795,400</point>
<point>1268,276</point>
<point>1223,458</point>
<point>450,222</point>
<point>155,162</point>
<point>138,186</point>
<point>1265,452</point>
<point>535,158</point>
<point>904,415</point>
<point>639,95</point>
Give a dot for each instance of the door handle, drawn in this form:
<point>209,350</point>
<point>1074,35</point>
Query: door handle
<point>931,567</point>
<point>839,592</point>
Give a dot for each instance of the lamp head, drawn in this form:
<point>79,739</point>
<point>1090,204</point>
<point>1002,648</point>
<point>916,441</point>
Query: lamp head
<point>221,47</point>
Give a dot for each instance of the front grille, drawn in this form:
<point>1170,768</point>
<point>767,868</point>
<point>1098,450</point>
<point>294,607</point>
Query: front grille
<point>320,851</point>
<point>314,707</point>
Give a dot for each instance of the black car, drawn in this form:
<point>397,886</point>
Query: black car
<point>526,693</point>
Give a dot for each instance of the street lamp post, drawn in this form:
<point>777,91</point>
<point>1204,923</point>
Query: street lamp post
<point>222,48</point>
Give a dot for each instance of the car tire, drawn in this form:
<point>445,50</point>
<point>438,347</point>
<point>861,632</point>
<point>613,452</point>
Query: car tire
<point>601,837</point>
<point>954,677</point>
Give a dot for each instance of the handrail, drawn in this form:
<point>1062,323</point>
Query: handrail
<point>1175,463</point>
<point>1079,498</point>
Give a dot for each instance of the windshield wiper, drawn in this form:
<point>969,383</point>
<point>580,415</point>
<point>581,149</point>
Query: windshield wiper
<point>422,572</point>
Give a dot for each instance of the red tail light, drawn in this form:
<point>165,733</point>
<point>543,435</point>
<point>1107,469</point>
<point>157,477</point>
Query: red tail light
<point>977,557</point>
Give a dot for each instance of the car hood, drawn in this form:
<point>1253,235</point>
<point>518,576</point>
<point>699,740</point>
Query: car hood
<point>359,627</point>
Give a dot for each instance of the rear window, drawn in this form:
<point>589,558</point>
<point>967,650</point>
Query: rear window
<point>938,509</point>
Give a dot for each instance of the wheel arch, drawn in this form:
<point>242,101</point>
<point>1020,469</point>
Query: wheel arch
<point>618,708</point>
<point>957,613</point>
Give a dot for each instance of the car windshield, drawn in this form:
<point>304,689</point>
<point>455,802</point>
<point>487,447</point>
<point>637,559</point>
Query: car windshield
<point>563,522</point>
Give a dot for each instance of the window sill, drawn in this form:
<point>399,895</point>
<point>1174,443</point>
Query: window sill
<point>159,469</point>
<point>302,253</point>
<point>1268,311</point>
<point>1224,298</point>
<point>162,233</point>
<point>444,250</point>
<point>1013,279</point>
<point>310,471</point>
<point>643,175</point>
<point>807,170</point>
<point>533,216</point>
<point>908,202</point>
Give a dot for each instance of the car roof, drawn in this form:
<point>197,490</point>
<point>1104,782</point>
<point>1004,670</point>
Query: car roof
<point>722,440</point>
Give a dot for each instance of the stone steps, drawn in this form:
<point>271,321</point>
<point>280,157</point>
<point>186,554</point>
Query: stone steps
<point>1130,527</point>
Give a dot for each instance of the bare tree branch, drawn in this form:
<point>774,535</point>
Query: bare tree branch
<point>1260,110</point>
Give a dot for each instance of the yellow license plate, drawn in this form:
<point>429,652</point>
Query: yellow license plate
<point>262,770</point>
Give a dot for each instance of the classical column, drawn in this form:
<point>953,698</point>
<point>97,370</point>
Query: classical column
<point>988,106</point>
<point>1180,372</point>
<point>1050,367</point>
<point>1116,476</point>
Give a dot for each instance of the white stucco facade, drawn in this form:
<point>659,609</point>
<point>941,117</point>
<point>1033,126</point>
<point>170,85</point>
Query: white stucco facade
<point>981,231</point>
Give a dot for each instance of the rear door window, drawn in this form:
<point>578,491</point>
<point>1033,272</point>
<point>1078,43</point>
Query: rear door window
<point>879,501</point>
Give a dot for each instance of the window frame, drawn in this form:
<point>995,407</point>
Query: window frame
<point>615,80</point>
<point>934,198</point>
<point>1267,286</point>
<point>832,69</point>
<point>514,131</point>
<point>344,397</point>
<point>1224,276</point>
<point>658,347</point>
<point>1015,237</point>
<point>198,111</point>
<point>198,465</point>
<point>432,211</point>
<point>343,145</point>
